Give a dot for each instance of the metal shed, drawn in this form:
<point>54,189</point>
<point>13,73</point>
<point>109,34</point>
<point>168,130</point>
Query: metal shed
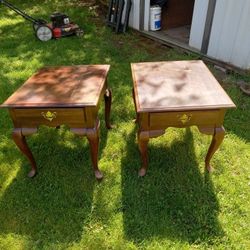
<point>218,29</point>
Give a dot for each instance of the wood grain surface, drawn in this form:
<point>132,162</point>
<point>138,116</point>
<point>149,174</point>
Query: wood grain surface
<point>177,86</point>
<point>65,86</point>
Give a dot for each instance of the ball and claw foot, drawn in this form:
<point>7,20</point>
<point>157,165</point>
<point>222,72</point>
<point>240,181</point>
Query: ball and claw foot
<point>98,175</point>
<point>32,173</point>
<point>142,172</point>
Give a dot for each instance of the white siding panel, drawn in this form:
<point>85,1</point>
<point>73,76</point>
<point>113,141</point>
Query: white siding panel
<point>198,23</point>
<point>134,20</point>
<point>229,40</point>
<point>241,50</point>
<point>247,63</point>
<point>216,29</point>
<point>146,15</point>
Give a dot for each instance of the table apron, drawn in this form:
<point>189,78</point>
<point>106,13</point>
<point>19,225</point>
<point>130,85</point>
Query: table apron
<point>186,118</point>
<point>52,117</point>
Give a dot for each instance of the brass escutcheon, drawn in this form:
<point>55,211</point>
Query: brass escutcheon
<point>185,118</point>
<point>49,115</point>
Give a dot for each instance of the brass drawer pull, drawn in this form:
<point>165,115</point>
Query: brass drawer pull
<point>49,115</point>
<point>184,118</point>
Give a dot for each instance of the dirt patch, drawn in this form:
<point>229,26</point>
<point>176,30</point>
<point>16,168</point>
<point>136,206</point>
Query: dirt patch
<point>100,6</point>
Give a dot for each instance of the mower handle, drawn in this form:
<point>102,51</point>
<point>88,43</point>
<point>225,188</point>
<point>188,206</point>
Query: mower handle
<point>20,12</point>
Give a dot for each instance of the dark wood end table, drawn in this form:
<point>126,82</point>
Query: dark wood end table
<point>178,94</point>
<point>61,95</point>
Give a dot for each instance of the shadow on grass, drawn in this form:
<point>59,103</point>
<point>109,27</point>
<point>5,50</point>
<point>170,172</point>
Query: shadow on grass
<point>55,206</point>
<point>173,200</point>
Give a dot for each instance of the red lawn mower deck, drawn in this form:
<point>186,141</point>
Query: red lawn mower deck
<point>60,25</point>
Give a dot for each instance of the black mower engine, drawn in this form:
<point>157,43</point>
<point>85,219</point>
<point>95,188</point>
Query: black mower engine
<point>59,20</point>
<point>60,25</point>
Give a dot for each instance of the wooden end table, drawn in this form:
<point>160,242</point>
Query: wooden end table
<point>178,94</point>
<point>61,95</point>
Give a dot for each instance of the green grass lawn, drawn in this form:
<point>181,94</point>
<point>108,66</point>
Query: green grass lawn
<point>176,206</point>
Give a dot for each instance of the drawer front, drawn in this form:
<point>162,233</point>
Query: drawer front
<point>184,119</point>
<point>49,117</point>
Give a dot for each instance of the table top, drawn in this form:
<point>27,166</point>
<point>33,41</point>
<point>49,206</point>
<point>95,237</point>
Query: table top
<point>177,85</point>
<point>65,86</point>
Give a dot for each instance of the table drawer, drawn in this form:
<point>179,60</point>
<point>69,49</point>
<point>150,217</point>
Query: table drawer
<point>73,117</point>
<point>184,119</point>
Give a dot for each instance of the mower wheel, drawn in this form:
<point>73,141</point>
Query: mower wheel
<point>44,33</point>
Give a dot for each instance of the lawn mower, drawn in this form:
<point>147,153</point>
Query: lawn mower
<point>60,25</point>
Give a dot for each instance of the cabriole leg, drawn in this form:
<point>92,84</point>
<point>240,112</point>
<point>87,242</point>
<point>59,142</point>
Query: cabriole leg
<point>143,140</point>
<point>93,138</point>
<point>21,143</point>
<point>218,137</point>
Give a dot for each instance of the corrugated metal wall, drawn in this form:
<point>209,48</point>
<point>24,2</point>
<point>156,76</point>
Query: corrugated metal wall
<point>198,23</point>
<point>134,19</point>
<point>147,15</point>
<point>230,34</point>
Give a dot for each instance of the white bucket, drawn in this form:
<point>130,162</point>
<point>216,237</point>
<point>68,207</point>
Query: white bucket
<point>155,17</point>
